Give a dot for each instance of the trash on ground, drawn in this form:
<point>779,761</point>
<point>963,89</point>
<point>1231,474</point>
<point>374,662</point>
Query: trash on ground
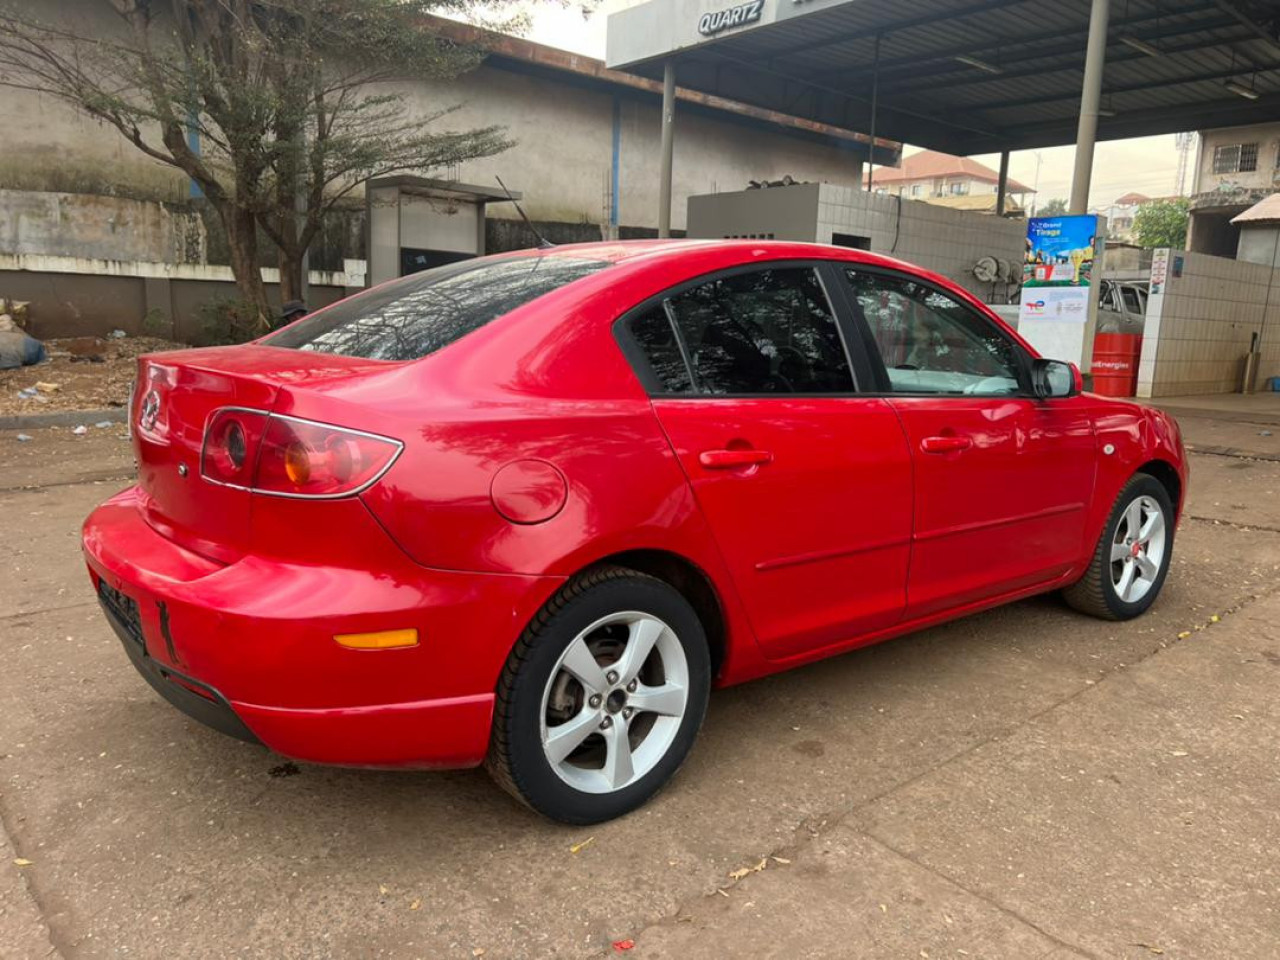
<point>24,437</point>
<point>81,430</point>
<point>117,334</point>
<point>104,424</point>
<point>620,946</point>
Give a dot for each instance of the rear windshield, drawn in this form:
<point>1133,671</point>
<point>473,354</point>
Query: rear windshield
<point>419,314</point>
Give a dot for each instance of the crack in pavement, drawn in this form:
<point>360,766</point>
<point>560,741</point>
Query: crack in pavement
<point>45,610</point>
<point>82,482</point>
<point>59,946</point>
<point>811,828</point>
<point>995,904</point>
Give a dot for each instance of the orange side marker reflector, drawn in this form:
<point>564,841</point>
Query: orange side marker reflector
<point>383,640</point>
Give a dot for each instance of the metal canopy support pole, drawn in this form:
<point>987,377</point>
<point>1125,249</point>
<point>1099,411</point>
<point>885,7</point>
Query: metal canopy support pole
<point>1090,100</point>
<point>668,146</point>
<point>1002,185</point>
<point>875,105</point>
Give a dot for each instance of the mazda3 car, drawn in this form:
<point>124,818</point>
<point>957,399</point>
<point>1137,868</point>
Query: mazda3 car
<point>528,510</point>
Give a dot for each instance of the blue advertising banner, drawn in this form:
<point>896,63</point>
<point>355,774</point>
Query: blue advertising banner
<point>1058,269</point>
<point>1060,251</point>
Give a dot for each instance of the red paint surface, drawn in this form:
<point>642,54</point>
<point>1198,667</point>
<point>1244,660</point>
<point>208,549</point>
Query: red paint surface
<point>532,451</point>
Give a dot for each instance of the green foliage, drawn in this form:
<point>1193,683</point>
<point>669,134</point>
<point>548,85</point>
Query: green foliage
<point>226,320</point>
<point>1056,207</point>
<point>1162,223</point>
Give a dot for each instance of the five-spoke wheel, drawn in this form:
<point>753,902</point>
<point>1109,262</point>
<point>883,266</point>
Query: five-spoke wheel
<point>601,698</point>
<point>1131,559</point>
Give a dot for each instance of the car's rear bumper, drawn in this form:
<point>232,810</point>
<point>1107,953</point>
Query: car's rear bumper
<point>248,648</point>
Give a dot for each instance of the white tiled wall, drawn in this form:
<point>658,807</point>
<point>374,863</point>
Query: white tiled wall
<point>1199,326</point>
<point>946,241</point>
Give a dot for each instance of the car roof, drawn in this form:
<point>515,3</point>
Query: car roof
<point>626,251</point>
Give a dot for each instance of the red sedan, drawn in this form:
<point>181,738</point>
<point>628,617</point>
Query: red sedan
<point>527,510</point>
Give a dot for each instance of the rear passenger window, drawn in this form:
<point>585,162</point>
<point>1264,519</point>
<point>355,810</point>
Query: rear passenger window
<point>758,333</point>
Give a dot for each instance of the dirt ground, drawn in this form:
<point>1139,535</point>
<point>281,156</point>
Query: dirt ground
<point>83,383</point>
<point>1024,783</point>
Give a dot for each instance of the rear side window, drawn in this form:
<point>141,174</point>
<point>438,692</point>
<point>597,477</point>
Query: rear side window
<point>420,314</point>
<point>761,332</point>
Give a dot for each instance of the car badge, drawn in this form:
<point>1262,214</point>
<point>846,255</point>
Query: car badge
<point>150,410</point>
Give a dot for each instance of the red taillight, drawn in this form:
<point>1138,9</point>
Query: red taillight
<point>286,456</point>
<point>231,446</point>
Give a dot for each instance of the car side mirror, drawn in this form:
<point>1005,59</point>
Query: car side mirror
<point>1055,378</point>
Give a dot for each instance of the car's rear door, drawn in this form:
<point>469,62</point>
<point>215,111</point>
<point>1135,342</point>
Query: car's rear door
<point>1002,479</point>
<point>806,484</point>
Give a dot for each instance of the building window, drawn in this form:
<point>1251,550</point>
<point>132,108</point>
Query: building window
<point>915,189</point>
<point>1235,158</point>
<point>959,188</point>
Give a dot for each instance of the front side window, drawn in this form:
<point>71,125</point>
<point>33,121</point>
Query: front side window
<point>764,332</point>
<point>420,314</point>
<point>931,343</point>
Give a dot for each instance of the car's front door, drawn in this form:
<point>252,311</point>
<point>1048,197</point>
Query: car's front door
<point>1002,480</point>
<point>806,485</point>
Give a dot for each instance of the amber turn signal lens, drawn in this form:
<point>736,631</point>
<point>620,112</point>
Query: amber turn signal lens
<point>297,464</point>
<point>384,640</point>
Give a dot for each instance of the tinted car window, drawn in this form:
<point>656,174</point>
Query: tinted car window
<point>763,332</point>
<point>931,343</point>
<point>419,314</point>
<point>656,338</point>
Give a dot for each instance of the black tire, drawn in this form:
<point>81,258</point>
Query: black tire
<point>517,760</point>
<point>1095,593</point>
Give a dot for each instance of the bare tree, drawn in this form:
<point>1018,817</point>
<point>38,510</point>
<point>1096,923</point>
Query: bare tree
<point>276,109</point>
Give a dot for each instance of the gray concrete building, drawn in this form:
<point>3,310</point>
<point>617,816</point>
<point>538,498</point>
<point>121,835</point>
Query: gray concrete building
<point>77,200</point>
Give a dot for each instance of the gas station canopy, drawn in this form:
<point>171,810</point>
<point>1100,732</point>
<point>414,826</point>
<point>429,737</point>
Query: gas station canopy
<point>966,76</point>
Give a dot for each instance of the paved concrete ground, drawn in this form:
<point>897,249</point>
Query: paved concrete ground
<point>1026,783</point>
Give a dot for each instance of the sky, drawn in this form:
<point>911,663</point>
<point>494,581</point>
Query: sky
<point>1146,165</point>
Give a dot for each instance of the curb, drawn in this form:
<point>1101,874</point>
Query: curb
<point>61,418</point>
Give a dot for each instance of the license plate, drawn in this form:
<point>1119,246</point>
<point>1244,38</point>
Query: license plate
<point>124,610</point>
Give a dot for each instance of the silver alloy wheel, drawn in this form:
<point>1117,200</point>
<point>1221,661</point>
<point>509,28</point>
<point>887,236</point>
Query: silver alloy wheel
<point>1138,549</point>
<point>614,702</point>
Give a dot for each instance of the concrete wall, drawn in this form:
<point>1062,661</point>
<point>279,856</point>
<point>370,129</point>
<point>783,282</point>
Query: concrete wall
<point>98,227</point>
<point>1260,243</point>
<point>75,297</point>
<point>1267,176</point>
<point>1199,325</point>
<point>563,156</point>
<point>50,146</point>
<point>945,241</point>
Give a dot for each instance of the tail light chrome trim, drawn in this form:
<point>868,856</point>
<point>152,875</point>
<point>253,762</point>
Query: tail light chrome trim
<point>351,431</point>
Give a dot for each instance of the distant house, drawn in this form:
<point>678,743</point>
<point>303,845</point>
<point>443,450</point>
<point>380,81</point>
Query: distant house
<point>1237,167</point>
<point>1120,215</point>
<point>931,176</point>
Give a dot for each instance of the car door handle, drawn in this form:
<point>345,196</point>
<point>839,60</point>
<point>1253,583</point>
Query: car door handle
<point>945,444</point>
<point>732,459</point>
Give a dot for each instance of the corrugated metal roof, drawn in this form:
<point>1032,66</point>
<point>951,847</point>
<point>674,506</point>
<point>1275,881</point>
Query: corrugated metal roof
<point>1266,210</point>
<point>974,76</point>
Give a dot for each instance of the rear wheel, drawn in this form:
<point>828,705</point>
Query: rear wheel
<point>602,697</point>
<point>1132,557</point>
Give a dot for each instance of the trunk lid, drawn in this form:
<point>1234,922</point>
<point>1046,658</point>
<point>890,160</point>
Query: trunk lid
<point>175,395</point>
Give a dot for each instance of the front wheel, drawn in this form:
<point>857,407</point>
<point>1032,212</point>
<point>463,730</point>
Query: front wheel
<point>601,699</point>
<point>1132,557</point>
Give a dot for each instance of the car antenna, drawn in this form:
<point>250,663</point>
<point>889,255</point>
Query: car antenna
<point>543,242</point>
